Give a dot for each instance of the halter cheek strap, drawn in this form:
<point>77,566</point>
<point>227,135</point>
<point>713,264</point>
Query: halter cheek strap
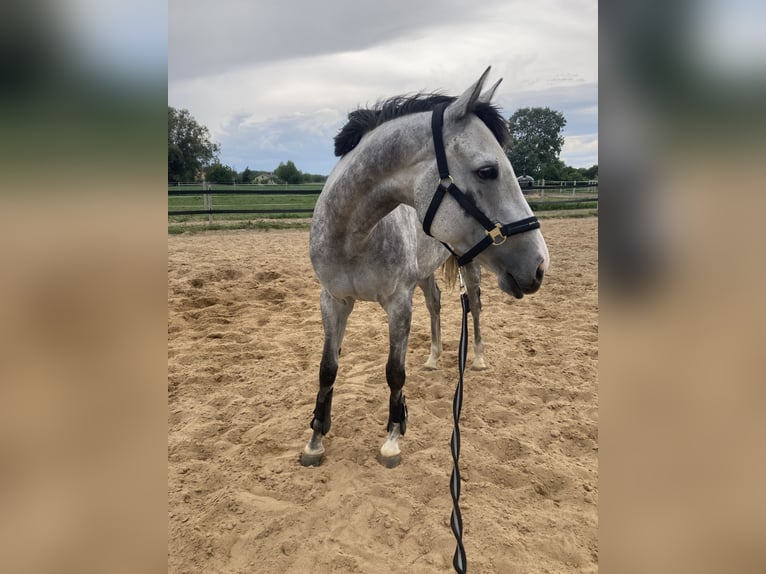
<point>496,233</point>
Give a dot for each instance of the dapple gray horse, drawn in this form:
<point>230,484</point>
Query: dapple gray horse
<point>365,242</point>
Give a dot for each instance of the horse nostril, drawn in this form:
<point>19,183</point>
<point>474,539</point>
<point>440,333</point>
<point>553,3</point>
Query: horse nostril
<point>540,272</point>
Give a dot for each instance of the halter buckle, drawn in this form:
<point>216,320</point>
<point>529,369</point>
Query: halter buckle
<point>496,232</point>
<point>446,181</point>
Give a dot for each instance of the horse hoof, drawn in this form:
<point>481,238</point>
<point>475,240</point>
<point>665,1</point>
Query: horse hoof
<point>311,459</point>
<point>479,366</point>
<point>390,461</point>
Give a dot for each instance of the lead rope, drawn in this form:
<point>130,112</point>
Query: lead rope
<point>456,521</point>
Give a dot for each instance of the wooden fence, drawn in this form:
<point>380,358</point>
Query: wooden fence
<point>552,195</point>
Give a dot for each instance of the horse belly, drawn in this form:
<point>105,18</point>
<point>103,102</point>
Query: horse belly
<point>368,284</point>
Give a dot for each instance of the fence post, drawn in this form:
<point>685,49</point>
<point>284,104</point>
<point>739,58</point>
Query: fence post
<point>574,185</point>
<point>208,202</point>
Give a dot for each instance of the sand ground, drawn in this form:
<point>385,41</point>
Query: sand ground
<point>244,343</point>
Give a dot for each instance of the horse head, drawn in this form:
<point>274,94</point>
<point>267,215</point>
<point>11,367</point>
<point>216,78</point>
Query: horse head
<point>481,199</point>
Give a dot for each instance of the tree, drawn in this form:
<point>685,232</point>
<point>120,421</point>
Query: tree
<point>536,140</point>
<point>288,173</point>
<point>313,178</point>
<point>552,171</point>
<point>176,163</point>
<point>246,176</point>
<point>557,170</point>
<point>591,172</point>
<point>189,147</point>
<point>218,173</point>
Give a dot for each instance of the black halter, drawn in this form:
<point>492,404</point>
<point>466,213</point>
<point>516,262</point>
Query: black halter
<point>496,233</point>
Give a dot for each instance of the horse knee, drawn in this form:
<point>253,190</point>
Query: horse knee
<point>437,298</point>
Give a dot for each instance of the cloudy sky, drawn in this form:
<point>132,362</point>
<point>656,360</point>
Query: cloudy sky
<point>274,80</point>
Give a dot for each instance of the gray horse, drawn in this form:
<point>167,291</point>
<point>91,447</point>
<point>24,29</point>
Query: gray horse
<point>366,243</point>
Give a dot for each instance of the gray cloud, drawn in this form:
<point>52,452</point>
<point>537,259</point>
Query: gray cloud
<point>208,38</point>
<point>307,140</point>
<point>274,81</point>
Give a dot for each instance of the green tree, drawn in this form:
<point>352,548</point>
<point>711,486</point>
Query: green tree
<point>176,163</point>
<point>536,140</point>
<point>190,150</point>
<point>313,178</point>
<point>557,170</point>
<point>218,173</point>
<point>552,171</point>
<point>246,176</point>
<point>591,172</point>
<point>288,173</point>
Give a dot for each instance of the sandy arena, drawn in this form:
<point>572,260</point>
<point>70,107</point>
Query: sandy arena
<point>244,344</point>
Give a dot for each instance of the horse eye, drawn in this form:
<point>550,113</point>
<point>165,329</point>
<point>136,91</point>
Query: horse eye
<point>489,172</point>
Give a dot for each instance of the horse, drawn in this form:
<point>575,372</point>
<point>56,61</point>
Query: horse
<point>414,171</point>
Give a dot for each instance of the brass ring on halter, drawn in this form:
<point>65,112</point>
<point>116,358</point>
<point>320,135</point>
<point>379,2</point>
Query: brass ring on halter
<point>449,177</point>
<point>496,232</point>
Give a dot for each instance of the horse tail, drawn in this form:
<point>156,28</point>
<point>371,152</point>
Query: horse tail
<point>450,269</point>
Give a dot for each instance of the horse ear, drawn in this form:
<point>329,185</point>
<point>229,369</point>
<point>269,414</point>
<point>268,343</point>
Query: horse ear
<point>487,96</point>
<point>461,107</point>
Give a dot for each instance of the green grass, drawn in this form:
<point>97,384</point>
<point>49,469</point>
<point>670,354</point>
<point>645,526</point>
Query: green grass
<point>555,205</point>
<point>317,187</point>
<point>267,224</point>
<point>259,201</point>
<point>178,224</point>
<point>574,214</point>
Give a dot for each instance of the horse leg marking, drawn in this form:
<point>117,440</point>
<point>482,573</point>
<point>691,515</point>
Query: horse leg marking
<point>313,452</point>
<point>399,319</point>
<point>390,454</point>
<point>334,318</point>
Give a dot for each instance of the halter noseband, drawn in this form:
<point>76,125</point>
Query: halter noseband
<point>496,233</point>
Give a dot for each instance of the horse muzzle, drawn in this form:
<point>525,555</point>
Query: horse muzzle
<point>520,284</point>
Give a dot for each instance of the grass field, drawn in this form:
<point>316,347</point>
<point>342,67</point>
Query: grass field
<point>555,200</point>
<point>255,187</point>
<point>259,201</point>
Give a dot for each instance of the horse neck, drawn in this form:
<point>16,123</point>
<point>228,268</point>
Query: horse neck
<point>377,176</point>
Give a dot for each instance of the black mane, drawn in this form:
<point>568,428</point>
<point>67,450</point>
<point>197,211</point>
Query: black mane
<point>362,121</point>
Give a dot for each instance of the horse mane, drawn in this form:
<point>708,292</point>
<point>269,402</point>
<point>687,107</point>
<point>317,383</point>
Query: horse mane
<point>364,120</point>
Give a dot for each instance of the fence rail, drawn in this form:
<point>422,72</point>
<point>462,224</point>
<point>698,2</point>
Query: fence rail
<point>303,204</point>
<point>309,188</point>
<point>546,184</point>
<point>313,191</point>
<point>242,211</point>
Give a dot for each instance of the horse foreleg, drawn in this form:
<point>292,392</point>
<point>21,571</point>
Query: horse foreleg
<point>399,311</point>
<point>334,318</point>
<point>433,304</point>
<point>472,278</point>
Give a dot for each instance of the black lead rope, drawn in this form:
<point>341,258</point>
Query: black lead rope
<point>495,234</point>
<point>456,521</point>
